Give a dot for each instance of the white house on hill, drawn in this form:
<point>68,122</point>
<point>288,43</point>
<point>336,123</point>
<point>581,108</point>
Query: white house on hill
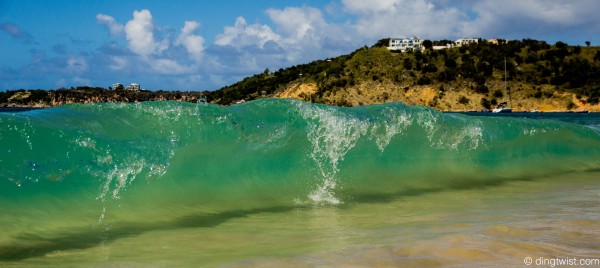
<point>465,41</point>
<point>406,44</point>
<point>414,43</point>
<point>117,86</point>
<point>133,87</point>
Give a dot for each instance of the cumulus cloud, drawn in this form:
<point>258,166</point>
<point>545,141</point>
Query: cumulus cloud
<point>306,35</point>
<point>118,63</point>
<point>535,18</point>
<point>194,44</point>
<point>297,35</point>
<point>17,33</point>
<point>114,27</point>
<point>388,18</point>
<point>168,66</point>
<point>151,49</point>
<point>140,34</point>
<point>300,24</point>
<point>242,34</point>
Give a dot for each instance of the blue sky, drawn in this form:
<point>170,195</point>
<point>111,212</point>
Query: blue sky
<point>202,45</point>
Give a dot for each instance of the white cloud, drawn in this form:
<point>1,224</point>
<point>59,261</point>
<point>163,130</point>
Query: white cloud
<point>370,6</point>
<point>194,44</point>
<point>114,27</point>
<point>118,63</point>
<point>300,24</point>
<point>242,34</point>
<point>301,34</point>
<point>140,34</point>
<point>395,18</point>
<point>534,18</point>
<point>168,66</point>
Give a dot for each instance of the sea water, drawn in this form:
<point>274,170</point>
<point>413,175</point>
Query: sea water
<point>282,183</point>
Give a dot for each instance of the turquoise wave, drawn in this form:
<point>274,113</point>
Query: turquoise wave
<point>161,156</point>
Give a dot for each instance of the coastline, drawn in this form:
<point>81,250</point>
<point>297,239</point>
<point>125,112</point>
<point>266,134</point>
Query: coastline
<point>12,107</point>
<point>19,109</point>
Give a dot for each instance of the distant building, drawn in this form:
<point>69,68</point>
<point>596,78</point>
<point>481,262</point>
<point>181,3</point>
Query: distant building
<point>493,41</point>
<point>442,47</point>
<point>117,86</point>
<point>466,41</point>
<point>406,44</point>
<point>133,87</point>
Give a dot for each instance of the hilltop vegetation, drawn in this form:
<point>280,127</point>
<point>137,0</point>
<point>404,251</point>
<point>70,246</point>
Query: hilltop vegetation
<point>467,77</point>
<point>540,76</point>
<point>48,98</point>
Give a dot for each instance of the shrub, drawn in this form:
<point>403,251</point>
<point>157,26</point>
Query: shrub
<point>498,94</point>
<point>486,103</point>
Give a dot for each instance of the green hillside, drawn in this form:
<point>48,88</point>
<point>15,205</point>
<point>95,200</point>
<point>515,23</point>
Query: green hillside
<point>535,70</point>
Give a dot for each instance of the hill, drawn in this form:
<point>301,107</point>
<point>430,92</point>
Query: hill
<point>84,94</point>
<point>540,76</point>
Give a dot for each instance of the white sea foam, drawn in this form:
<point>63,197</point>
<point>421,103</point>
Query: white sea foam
<point>332,135</point>
<point>395,122</point>
<point>471,136</point>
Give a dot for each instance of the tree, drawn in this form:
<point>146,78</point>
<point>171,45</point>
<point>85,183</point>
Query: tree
<point>408,64</point>
<point>588,43</point>
<point>427,44</point>
<point>467,67</point>
<point>560,45</point>
<point>450,63</point>
<point>382,43</point>
<point>597,56</point>
<point>486,103</point>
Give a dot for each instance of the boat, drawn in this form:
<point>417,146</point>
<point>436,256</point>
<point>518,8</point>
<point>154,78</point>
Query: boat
<point>504,107</point>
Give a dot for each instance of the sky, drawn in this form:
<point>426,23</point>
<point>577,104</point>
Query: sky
<point>205,45</point>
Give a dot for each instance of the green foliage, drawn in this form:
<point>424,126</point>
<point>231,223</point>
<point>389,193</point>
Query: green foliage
<point>450,63</point>
<point>498,94</point>
<point>408,64</point>
<point>463,100</point>
<point>382,42</point>
<point>486,103</point>
<point>90,94</point>
<point>574,69</point>
<point>568,68</point>
<point>427,44</point>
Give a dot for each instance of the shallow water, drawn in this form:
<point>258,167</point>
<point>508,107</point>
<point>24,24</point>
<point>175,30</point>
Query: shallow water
<point>283,183</point>
<point>499,225</point>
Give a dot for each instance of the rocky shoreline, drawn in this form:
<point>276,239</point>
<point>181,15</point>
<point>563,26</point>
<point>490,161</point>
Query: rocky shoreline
<point>83,95</point>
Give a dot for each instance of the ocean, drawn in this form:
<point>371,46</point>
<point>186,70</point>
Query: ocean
<point>283,183</point>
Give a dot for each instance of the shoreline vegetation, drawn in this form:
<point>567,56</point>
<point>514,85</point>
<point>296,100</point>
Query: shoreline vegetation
<point>541,77</point>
